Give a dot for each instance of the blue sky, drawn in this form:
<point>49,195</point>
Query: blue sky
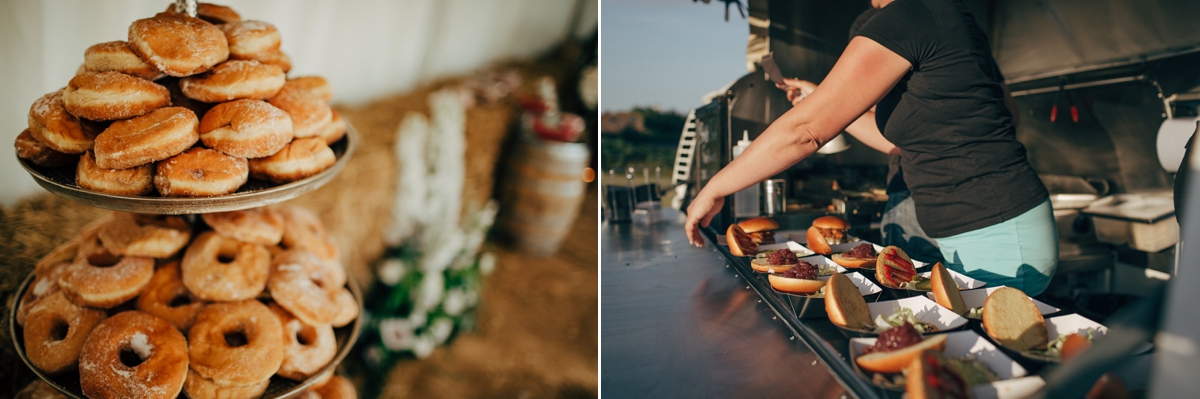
<point>667,53</point>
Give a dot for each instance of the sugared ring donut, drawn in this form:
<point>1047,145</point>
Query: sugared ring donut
<point>137,180</point>
<point>236,343</point>
<point>248,39</point>
<point>303,230</point>
<point>299,159</point>
<point>200,172</point>
<point>246,128</point>
<point>178,45</point>
<point>233,80</point>
<point>216,268</point>
<point>117,57</point>
<point>55,330</point>
<point>158,135</point>
<point>100,279</point>
<point>313,84</point>
<point>301,284</point>
<point>262,226</point>
<point>28,148</point>
<point>153,236</point>
<point>307,348</point>
<point>337,387</point>
<point>133,355</point>
<point>52,125</point>
<point>214,14</point>
<point>169,299</point>
<point>43,286</point>
<point>334,130</point>
<point>106,96</point>
<point>309,113</point>
<point>347,308</point>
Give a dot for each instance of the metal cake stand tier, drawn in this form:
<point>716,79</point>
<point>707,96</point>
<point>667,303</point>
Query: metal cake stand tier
<point>255,193</point>
<point>68,383</point>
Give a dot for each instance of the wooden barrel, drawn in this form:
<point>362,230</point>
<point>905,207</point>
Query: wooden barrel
<point>541,192</point>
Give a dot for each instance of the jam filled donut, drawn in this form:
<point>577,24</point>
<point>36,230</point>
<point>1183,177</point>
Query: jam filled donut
<point>43,286</point>
<point>152,236</point>
<point>213,13</point>
<point>55,331</point>
<point>246,128</point>
<point>236,343</point>
<point>303,230</point>
<point>29,149</point>
<point>52,125</point>
<point>233,80</point>
<point>137,180</point>
<point>169,299</point>
<point>158,135</point>
<point>200,172</point>
<point>249,39</point>
<point>299,159</point>
<point>216,268</point>
<point>313,84</point>
<point>302,284</point>
<point>347,308</point>
<point>262,226</point>
<point>133,355</point>
<point>101,279</point>
<point>178,45</point>
<point>106,96</point>
<point>117,57</point>
<point>334,130</point>
<point>309,113</point>
<point>307,348</point>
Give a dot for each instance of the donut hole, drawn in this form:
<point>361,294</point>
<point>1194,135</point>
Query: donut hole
<point>306,336</point>
<point>236,338</point>
<point>228,251</point>
<point>129,357</point>
<point>59,330</point>
<point>103,259</point>
<point>180,300</point>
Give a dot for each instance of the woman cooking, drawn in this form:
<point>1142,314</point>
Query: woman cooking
<point>940,102</point>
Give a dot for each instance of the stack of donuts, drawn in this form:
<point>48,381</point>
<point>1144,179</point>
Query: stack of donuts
<point>187,107</point>
<point>147,306</point>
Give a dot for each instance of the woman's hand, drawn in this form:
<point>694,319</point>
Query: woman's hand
<point>796,89</point>
<point>699,214</point>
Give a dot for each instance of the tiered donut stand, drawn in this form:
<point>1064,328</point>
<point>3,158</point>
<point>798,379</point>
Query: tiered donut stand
<point>255,193</point>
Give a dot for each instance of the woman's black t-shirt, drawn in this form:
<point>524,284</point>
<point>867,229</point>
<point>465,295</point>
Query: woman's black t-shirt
<point>958,145</point>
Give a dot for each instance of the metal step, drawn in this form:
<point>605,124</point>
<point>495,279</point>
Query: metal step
<point>686,151</point>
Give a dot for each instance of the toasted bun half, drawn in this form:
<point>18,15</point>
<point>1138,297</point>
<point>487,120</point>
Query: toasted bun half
<point>816,241</point>
<point>797,286</point>
<point>896,361</point>
<point>831,222</point>
<point>945,291</point>
<point>739,242</point>
<point>762,266</point>
<point>931,377</point>
<point>845,305</point>
<point>758,224</point>
<point>853,263</point>
<point>893,267</point>
<point>1011,319</point>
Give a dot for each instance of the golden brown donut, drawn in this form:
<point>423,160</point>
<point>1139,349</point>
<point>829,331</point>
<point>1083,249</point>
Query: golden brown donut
<point>28,148</point>
<point>335,130</point>
<point>178,45</point>
<point>197,386</point>
<point>337,387</point>
<point>178,99</point>
<point>68,251</point>
<point>216,268</point>
<point>169,299</point>
<point>302,284</point>
<point>200,172</point>
<point>213,13</point>
<point>55,331</point>
<point>100,279</point>
<point>158,135</point>
<point>152,236</point>
<point>262,226</point>
<point>307,348</point>
<point>303,230</point>
<point>249,39</point>
<point>39,389</point>
<point>233,80</point>
<point>313,84</point>
<point>43,286</point>
<point>52,125</point>
<point>277,58</point>
<point>309,113</point>
<point>133,355</point>
<point>106,96</point>
<point>347,308</point>
<point>236,343</point>
<point>117,57</point>
<point>246,128</point>
<point>137,180</point>
<point>301,158</point>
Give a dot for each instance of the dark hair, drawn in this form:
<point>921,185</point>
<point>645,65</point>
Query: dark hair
<point>861,20</point>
